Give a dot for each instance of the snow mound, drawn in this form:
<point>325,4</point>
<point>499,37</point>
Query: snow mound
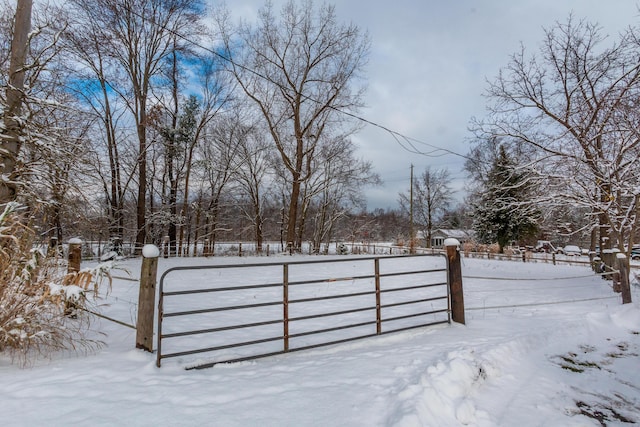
<point>627,316</point>
<point>443,395</point>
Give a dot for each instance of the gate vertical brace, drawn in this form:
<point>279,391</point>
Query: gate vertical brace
<point>160,318</point>
<point>285,305</point>
<point>160,314</point>
<point>378,311</point>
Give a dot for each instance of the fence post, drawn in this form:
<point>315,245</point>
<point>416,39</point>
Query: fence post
<point>75,255</point>
<point>166,246</point>
<point>454,277</point>
<point>624,278</point>
<point>608,258</point>
<point>73,267</point>
<point>147,297</point>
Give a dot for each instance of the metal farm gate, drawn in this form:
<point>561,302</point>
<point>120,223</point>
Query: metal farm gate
<point>237,312</point>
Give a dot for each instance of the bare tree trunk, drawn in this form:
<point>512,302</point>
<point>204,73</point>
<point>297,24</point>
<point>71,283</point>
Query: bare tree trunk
<point>141,208</point>
<point>257,219</point>
<point>11,141</point>
<point>293,213</point>
<point>196,232</point>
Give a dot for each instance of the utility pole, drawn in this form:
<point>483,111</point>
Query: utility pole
<point>11,134</point>
<point>412,248</point>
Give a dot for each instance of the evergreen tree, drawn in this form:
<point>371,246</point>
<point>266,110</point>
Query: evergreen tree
<point>503,212</point>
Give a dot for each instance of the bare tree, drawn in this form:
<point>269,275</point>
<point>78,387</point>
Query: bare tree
<point>334,189</point>
<point>217,162</point>
<point>299,72</point>
<point>253,169</point>
<point>432,195</point>
<point>572,104</point>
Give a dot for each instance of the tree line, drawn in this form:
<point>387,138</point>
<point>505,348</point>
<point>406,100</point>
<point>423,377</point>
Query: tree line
<point>141,120</point>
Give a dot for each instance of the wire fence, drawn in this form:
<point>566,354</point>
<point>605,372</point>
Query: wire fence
<point>536,304</point>
<point>610,274</point>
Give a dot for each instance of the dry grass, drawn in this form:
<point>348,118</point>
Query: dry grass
<point>39,302</point>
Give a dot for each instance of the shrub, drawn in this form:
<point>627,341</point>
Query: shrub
<point>39,302</point>
<point>342,249</point>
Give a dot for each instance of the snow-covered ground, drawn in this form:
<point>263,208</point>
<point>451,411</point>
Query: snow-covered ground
<point>542,345</point>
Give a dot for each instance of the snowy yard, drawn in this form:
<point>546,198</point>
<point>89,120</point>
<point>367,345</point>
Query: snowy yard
<point>543,345</point>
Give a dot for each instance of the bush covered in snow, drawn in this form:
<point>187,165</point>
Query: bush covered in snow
<point>39,302</point>
<point>342,249</point>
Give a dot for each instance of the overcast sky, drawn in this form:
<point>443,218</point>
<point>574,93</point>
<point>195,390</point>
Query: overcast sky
<point>428,68</point>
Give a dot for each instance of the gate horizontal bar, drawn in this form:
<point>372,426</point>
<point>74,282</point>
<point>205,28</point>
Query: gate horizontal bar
<point>228,288</point>
<point>222,328</point>
<point>331,280</point>
<point>220,347</point>
<point>408,288</point>
<point>355,294</point>
<point>335,328</point>
<point>333,313</point>
<point>407,316</point>
<point>423,325</point>
<point>216,309</point>
<point>395,304</point>
<point>404,273</point>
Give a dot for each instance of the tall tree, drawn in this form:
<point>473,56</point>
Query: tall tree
<point>181,121</point>
<point>217,162</point>
<point>95,71</point>
<point>299,71</point>
<point>13,127</point>
<point>502,212</point>
<point>30,82</point>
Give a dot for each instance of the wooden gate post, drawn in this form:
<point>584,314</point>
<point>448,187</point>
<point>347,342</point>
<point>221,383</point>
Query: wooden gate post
<point>75,255</point>
<point>624,278</point>
<point>147,297</point>
<point>454,277</point>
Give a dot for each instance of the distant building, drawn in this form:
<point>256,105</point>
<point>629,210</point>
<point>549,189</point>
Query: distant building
<point>439,235</point>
